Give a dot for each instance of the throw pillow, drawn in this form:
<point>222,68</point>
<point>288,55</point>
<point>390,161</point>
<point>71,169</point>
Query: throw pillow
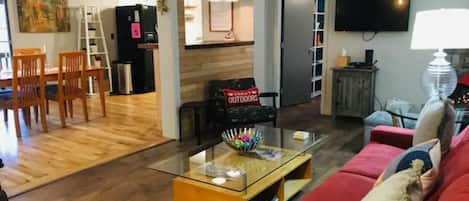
<point>429,153</point>
<point>234,98</point>
<point>436,120</point>
<point>403,186</point>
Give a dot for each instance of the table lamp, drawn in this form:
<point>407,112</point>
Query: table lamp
<point>440,29</point>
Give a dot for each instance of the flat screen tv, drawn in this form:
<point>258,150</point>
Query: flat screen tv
<point>372,15</point>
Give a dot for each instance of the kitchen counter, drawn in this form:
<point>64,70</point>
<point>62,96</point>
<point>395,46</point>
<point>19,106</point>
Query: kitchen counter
<point>217,44</point>
<point>148,46</point>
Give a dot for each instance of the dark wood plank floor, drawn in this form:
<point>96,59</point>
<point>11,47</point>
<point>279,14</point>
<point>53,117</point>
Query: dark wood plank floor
<point>127,179</point>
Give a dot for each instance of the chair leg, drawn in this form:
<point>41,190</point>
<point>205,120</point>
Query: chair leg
<point>65,107</point>
<point>5,115</point>
<point>85,108</point>
<point>17,122</point>
<point>36,114</point>
<point>27,116</point>
<point>24,116</point>
<point>70,108</point>
<point>62,111</point>
<point>42,107</point>
<point>28,110</point>
<point>47,106</point>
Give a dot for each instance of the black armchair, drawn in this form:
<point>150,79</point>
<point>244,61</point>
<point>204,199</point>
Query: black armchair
<point>3,195</point>
<point>240,115</point>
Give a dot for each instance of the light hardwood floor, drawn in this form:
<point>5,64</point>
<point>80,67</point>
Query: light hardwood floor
<point>39,158</point>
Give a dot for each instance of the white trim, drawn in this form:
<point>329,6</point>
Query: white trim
<point>169,70</point>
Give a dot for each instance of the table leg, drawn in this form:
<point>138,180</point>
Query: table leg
<point>197,125</point>
<point>180,124</point>
<point>101,91</point>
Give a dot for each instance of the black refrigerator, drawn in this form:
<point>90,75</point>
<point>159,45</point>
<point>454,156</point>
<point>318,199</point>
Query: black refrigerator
<point>137,24</point>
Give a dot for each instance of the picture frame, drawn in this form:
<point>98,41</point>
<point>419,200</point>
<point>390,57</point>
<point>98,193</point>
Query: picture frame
<point>43,16</point>
<point>220,16</point>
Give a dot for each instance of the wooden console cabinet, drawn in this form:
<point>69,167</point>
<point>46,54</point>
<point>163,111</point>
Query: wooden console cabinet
<point>353,92</point>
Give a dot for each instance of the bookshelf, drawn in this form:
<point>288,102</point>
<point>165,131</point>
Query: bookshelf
<point>319,45</point>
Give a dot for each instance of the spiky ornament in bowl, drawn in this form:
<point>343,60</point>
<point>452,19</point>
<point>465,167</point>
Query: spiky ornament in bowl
<point>242,139</point>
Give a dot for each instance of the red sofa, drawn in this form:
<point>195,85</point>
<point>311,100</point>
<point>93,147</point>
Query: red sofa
<point>357,177</point>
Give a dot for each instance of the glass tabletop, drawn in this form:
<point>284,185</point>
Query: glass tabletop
<point>221,166</point>
<point>411,111</point>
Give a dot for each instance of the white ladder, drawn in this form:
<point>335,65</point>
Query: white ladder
<point>90,17</point>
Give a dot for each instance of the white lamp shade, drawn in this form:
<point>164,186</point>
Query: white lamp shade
<point>443,28</point>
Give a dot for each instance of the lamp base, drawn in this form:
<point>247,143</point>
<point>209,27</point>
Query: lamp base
<point>440,78</point>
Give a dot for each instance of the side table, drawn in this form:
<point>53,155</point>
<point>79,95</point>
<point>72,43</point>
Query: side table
<point>196,108</point>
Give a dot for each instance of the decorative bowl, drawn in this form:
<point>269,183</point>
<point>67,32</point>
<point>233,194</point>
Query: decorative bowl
<point>242,139</point>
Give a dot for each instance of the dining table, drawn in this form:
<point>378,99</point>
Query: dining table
<point>51,74</point>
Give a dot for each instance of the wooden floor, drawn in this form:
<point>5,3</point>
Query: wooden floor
<point>128,179</point>
<point>39,158</point>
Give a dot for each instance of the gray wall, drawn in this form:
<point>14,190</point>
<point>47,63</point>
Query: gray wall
<point>400,67</point>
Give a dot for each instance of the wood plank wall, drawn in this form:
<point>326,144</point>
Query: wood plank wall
<point>198,66</point>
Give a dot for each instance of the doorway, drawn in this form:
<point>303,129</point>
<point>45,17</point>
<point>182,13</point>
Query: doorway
<point>296,53</point>
<point>302,52</point>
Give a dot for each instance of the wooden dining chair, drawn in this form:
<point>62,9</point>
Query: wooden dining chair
<point>71,83</point>
<point>28,74</point>
<point>26,51</point>
<point>20,52</point>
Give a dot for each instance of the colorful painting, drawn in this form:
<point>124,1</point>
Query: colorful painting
<point>40,16</point>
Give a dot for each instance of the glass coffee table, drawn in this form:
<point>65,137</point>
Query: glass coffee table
<point>279,168</point>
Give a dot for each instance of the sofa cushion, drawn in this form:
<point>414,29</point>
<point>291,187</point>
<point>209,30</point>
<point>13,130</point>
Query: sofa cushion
<point>436,120</point>
<point>460,138</point>
<point>454,166</point>
<point>372,160</point>
<point>458,190</point>
<point>341,186</point>
<point>234,98</point>
<point>405,185</point>
<point>429,153</point>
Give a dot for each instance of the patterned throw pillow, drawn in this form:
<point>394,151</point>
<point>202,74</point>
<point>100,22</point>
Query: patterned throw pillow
<point>403,186</point>
<point>436,120</point>
<point>429,153</point>
<point>234,98</point>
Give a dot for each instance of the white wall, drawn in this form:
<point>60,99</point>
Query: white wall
<point>243,22</point>
<point>56,42</point>
<point>267,33</point>
<point>169,65</point>
<point>53,42</point>
<point>400,67</point>
<point>194,26</point>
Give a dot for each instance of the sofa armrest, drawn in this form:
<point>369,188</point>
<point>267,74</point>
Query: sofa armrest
<point>394,136</point>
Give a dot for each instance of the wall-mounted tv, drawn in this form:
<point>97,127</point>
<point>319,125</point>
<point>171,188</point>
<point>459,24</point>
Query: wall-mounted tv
<point>372,15</point>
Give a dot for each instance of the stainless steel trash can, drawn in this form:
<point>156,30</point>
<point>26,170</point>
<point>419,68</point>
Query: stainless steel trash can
<point>124,78</point>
